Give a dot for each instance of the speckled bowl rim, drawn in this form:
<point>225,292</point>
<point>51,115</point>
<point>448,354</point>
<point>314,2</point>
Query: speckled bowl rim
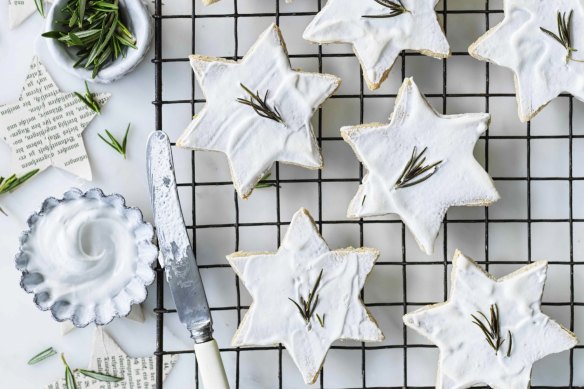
<point>70,195</point>
<point>119,68</point>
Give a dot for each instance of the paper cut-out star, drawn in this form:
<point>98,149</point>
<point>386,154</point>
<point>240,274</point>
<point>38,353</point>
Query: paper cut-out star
<point>275,279</point>
<point>378,40</point>
<point>44,128</point>
<point>466,356</point>
<point>443,144</point>
<point>539,62</point>
<point>20,10</point>
<point>251,141</point>
<point>108,358</point>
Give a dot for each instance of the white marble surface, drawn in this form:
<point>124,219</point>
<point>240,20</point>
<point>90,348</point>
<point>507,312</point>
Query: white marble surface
<point>24,330</point>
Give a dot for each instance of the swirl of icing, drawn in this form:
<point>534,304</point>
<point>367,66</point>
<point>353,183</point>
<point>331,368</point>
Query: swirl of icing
<point>87,258</point>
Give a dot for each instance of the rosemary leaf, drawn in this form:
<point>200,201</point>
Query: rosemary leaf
<point>40,6</point>
<point>42,356</point>
<point>263,182</point>
<point>88,99</point>
<point>510,343</point>
<point>100,376</point>
<point>70,382</point>
<point>320,319</point>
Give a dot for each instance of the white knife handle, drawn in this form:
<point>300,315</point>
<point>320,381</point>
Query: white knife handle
<point>211,365</point>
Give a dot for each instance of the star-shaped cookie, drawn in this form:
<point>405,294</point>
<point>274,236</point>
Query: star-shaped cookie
<point>20,10</point>
<point>419,165</point>
<point>543,65</point>
<point>44,128</point>
<point>490,331</point>
<point>258,111</point>
<point>379,30</point>
<point>305,296</point>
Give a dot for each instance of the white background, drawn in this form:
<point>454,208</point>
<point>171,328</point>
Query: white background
<point>24,330</point>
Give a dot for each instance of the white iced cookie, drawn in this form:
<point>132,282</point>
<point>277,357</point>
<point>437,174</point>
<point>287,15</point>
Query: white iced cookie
<point>544,61</point>
<point>305,296</point>
<point>419,165</point>
<point>379,30</point>
<point>490,331</point>
<point>258,111</point>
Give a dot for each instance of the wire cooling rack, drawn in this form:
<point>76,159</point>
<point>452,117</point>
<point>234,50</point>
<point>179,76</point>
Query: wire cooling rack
<point>406,260</point>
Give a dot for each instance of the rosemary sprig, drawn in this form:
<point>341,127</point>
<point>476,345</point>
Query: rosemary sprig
<point>115,144</point>
<point>260,106</point>
<point>395,9</point>
<point>13,182</point>
<point>40,6</point>
<point>263,182</point>
<point>415,171</point>
<point>307,306</point>
<point>491,328</point>
<point>99,376</point>
<point>96,31</point>
<point>42,356</point>
<point>564,36</point>
<point>88,99</point>
<point>70,382</point>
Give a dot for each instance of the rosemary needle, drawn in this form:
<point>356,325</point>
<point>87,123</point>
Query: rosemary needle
<point>42,356</point>
<point>40,6</point>
<point>99,376</point>
<point>115,144</point>
<point>70,382</point>
<point>263,182</point>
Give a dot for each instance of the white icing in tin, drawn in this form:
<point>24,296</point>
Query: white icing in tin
<point>466,359</point>
<point>378,41</point>
<point>87,258</point>
<point>253,143</point>
<point>536,59</point>
<point>385,150</point>
<point>273,278</point>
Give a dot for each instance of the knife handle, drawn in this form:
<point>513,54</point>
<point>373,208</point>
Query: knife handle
<point>211,366</point>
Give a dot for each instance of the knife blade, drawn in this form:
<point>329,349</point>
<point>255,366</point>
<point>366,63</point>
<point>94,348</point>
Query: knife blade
<point>182,272</point>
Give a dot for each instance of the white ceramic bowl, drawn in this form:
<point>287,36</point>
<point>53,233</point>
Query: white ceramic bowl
<point>87,257</point>
<point>138,20</point>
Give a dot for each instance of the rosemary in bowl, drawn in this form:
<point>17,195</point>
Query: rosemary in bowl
<point>94,31</point>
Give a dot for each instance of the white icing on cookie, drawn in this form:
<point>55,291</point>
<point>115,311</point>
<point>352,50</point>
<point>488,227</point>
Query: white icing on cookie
<point>536,59</point>
<point>385,150</point>
<point>466,358</point>
<point>378,41</point>
<point>253,143</point>
<point>291,273</point>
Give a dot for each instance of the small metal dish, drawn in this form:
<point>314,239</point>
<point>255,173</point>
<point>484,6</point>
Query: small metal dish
<point>138,20</point>
<point>87,257</point>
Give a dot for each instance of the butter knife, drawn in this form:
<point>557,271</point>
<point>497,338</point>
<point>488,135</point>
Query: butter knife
<point>182,272</point>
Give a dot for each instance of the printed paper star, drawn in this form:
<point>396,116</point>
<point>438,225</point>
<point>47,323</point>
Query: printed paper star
<point>278,281</point>
<point>538,60</point>
<point>254,138</point>
<point>417,139</point>
<point>377,40</point>
<point>108,358</point>
<point>20,10</point>
<point>44,128</point>
<point>466,356</point>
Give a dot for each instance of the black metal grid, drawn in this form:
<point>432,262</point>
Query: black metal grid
<point>363,94</point>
